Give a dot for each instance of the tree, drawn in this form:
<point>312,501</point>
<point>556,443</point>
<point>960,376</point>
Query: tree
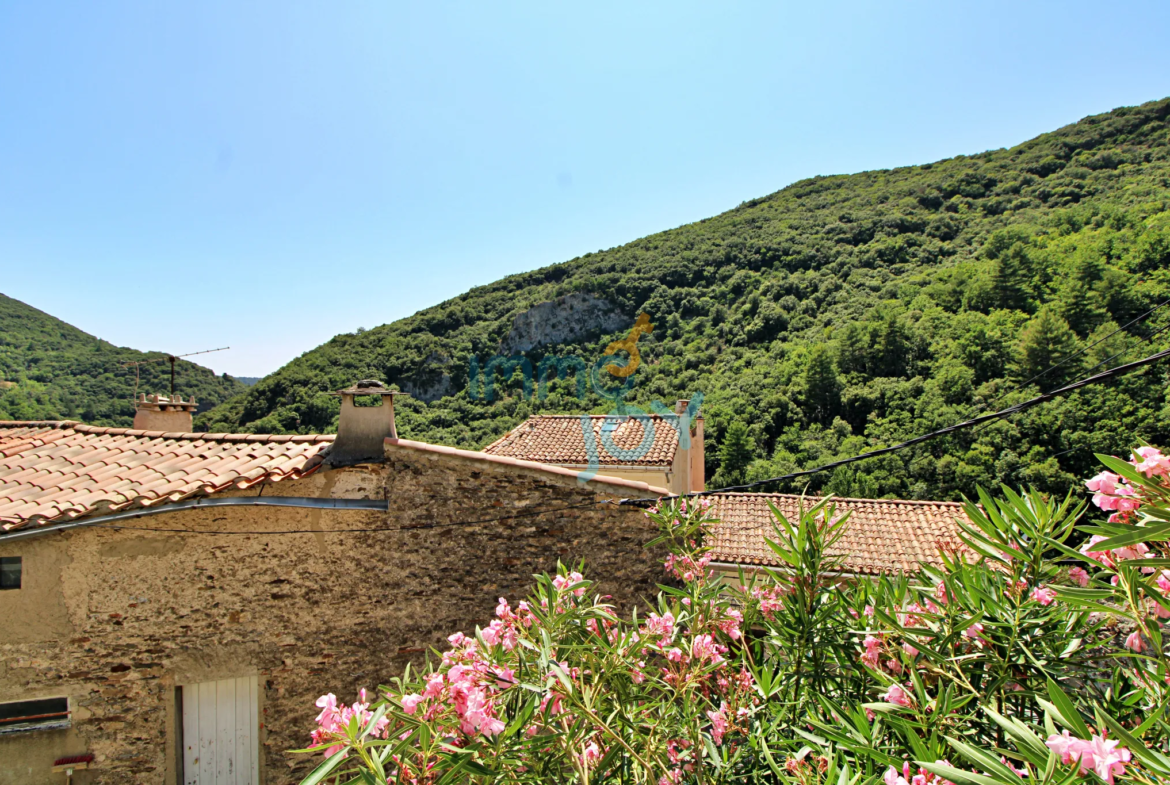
<point>1011,275</point>
<point>1079,301</point>
<point>822,387</point>
<point>1046,341</point>
<point>735,454</point>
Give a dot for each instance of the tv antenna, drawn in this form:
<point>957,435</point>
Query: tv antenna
<point>171,358</point>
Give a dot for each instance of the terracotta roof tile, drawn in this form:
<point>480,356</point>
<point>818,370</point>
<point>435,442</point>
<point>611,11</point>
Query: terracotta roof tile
<point>882,535</point>
<point>560,439</point>
<point>60,469</point>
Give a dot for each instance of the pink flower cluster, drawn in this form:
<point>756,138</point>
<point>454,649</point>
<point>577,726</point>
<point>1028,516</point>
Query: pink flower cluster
<point>1099,754</point>
<point>771,599</point>
<point>1111,558</point>
<point>923,777</point>
<point>335,718</point>
<point>467,684</point>
<point>687,568</point>
<point>1115,494</point>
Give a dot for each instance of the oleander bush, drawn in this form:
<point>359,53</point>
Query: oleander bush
<point>1033,654</point>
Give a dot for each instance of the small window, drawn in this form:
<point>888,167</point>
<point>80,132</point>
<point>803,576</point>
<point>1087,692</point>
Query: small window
<point>45,714</point>
<point>9,572</point>
<point>610,424</point>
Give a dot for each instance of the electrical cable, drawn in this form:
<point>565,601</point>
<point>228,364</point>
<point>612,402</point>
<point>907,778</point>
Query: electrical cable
<point>1081,351</point>
<point>1019,407</point>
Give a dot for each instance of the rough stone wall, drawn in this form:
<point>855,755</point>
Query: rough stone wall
<point>115,619</point>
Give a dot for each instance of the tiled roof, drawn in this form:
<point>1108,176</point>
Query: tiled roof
<point>560,439</point>
<point>505,460</point>
<point>882,535</point>
<point>60,470</point>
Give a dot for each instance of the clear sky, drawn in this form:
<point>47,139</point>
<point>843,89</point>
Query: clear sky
<point>266,175</point>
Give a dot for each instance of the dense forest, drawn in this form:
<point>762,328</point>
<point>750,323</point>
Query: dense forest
<point>50,370</point>
<point>838,314</point>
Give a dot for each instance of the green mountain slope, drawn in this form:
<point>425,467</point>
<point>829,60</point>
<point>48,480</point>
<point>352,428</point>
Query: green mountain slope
<point>51,370</point>
<point>837,314</point>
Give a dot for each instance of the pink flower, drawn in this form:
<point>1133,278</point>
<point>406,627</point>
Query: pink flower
<point>869,715</point>
<point>973,632</point>
<point>1020,772</point>
<point>1105,482</point>
<point>906,647</point>
<point>873,651</point>
<point>892,777</point>
<point>897,695</point>
<point>718,723</point>
<point>674,654</point>
<point>1104,758</point>
<point>1163,582</point>
<point>1043,595</point>
<point>1151,462</point>
<point>940,593</point>
<point>1078,576</point>
<point>705,648</point>
<point>1064,745</point>
<point>1098,754</point>
<point>411,702</point>
<point>1134,642</point>
<point>730,625</point>
<point>672,777</point>
<point>589,756</point>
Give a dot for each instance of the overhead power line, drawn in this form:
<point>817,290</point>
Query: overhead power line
<point>1019,407</point>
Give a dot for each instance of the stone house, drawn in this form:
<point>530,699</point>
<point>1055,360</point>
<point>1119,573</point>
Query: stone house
<point>172,603</point>
<point>645,448</point>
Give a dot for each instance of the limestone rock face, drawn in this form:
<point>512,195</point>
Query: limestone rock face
<point>564,319</point>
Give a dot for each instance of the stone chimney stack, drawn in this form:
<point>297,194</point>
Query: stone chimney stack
<point>362,430</point>
<point>160,413</point>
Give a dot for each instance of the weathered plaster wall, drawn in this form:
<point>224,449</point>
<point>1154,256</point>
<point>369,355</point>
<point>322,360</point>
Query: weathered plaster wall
<point>116,619</point>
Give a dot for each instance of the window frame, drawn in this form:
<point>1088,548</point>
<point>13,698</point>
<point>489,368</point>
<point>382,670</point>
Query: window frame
<point>5,565</point>
<point>39,719</point>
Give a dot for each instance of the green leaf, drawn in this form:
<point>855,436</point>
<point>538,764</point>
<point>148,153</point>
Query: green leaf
<point>329,765</point>
<point>961,776</point>
<point>1066,711</point>
<point>986,760</point>
<point>1137,534</point>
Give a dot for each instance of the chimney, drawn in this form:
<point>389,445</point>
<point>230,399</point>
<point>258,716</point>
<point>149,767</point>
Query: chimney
<point>362,430</point>
<point>688,467</point>
<point>160,413</point>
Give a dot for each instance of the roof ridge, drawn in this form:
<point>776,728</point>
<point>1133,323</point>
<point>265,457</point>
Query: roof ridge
<point>835,498</point>
<point>597,416</point>
<point>101,430</point>
<point>38,423</point>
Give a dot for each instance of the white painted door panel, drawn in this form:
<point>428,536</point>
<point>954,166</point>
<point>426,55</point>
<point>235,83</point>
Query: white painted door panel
<point>220,726</point>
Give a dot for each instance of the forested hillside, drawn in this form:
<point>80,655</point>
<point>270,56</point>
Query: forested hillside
<point>838,314</point>
<point>50,370</point>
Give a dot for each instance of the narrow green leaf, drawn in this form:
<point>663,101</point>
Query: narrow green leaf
<point>1066,711</point>
<point>329,765</point>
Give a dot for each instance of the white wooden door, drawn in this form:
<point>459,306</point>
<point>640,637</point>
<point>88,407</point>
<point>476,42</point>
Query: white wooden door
<point>220,729</point>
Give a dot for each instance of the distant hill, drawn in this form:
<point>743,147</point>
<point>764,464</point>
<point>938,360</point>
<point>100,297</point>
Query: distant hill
<point>248,381</point>
<point>51,370</point>
<point>837,314</point>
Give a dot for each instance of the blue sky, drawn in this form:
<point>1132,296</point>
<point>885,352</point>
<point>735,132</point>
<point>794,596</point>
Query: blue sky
<point>266,175</point>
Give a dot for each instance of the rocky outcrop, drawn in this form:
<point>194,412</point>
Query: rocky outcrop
<point>568,318</point>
